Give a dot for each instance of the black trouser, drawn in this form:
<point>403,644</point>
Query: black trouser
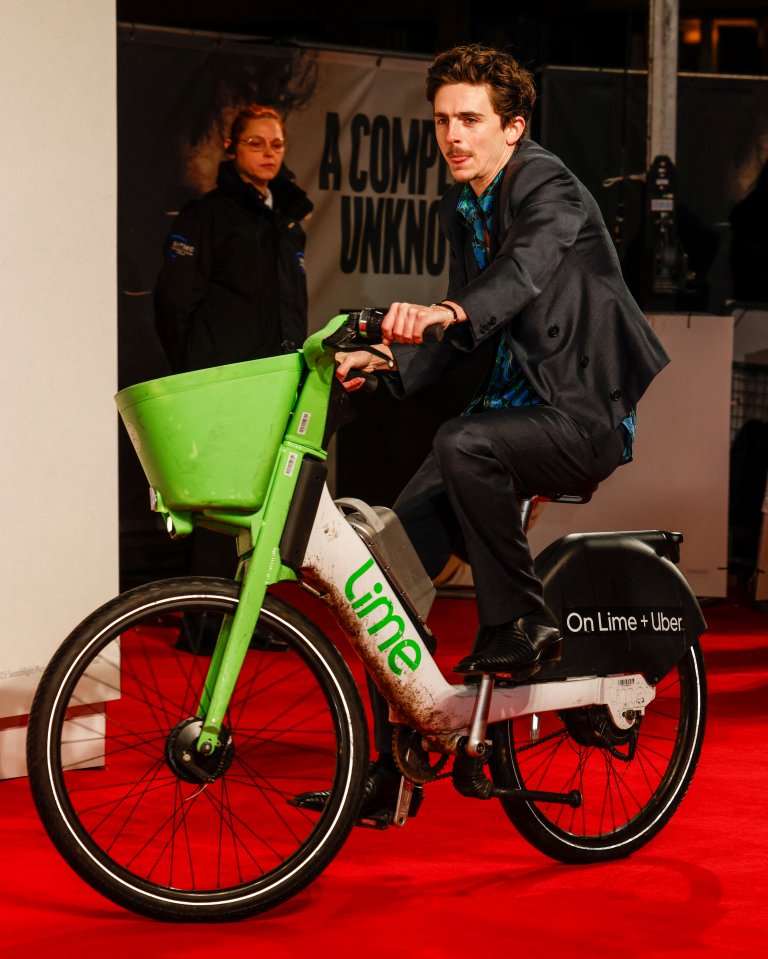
<point>465,498</point>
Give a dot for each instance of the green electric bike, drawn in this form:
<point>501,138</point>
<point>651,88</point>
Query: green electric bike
<point>164,764</point>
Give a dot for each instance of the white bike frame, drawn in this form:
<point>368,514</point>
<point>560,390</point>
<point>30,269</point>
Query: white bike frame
<point>381,629</point>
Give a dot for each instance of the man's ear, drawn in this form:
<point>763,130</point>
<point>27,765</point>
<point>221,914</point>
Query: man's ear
<point>228,148</point>
<point>514,130</point>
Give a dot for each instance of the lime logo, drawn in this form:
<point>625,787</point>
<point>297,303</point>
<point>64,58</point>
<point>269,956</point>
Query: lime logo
<point>402,652</point>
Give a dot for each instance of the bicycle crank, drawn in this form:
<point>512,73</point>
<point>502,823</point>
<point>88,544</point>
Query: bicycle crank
<point>412,759</point>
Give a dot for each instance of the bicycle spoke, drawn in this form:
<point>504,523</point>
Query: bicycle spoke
<point>614,790</point>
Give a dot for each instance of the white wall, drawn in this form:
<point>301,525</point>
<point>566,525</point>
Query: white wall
<point>679,478</point>
<point>750,335</point>
<point>58,333</point>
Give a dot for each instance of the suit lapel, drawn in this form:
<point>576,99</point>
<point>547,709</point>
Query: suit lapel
<point>458,236</point>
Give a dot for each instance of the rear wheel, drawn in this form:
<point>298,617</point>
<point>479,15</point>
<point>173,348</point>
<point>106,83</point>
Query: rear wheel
<point>134,807</point>
<point>631,781</point>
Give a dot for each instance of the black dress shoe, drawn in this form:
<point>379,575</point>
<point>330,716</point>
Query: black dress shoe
<point>516,647</point>
<point>379,797</point>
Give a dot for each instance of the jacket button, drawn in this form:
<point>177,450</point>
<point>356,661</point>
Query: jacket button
<point>615,394</point>
<point>584,360</point>
<point>553,331</point>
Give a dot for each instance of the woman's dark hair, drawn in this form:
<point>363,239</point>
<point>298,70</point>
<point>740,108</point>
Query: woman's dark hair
<point>510,85</point>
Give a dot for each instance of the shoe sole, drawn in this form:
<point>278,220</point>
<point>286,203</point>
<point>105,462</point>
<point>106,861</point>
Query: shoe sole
<point>550,653</point>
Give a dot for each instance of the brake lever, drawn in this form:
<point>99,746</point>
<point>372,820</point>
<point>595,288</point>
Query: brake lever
<point>371,380</point>
<point>345,340</point>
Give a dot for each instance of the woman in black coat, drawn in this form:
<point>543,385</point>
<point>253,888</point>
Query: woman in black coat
<point>233,285</point>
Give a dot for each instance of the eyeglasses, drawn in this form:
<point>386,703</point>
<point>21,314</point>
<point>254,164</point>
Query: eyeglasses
<point>259,144</point>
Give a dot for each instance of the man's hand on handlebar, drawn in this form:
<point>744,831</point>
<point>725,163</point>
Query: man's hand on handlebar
<point>401,323</point>
<point>359,360</point>
<point>406,322</point>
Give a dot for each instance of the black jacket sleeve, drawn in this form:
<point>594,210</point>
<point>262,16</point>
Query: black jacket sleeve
<point>182,282</point>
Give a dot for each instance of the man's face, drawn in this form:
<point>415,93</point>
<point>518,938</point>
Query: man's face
<point>470,134</point>
<point>258,162</point>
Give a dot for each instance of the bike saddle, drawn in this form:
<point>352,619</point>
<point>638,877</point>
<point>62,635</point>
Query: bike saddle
<point>574,498</point>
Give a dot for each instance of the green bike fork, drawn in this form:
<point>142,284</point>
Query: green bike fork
<point>262,565</point>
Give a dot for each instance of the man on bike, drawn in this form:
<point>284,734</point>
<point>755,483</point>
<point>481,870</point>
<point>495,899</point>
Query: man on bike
<point>531,265</point>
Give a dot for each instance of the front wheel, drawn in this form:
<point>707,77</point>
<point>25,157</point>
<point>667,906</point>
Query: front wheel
<point>631,781</point>
<point>137,811</point>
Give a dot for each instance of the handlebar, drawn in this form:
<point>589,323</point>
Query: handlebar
<point>362,331</point>
<point>367,325</point>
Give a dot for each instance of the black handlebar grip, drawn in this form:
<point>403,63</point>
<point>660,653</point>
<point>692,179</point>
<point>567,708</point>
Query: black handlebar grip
<point>367,324</point>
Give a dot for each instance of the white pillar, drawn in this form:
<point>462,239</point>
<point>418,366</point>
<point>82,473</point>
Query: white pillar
<point>58,335</point>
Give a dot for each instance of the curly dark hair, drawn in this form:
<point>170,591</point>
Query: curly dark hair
<point>510,85</point>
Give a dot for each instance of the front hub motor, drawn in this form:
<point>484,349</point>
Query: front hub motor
<point>187,762</point>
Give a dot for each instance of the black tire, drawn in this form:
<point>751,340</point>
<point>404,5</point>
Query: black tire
<point>110,782</point>
<point>629,793</point>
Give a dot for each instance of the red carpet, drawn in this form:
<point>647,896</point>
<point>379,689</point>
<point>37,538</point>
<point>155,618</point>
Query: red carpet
<point>458,879</point>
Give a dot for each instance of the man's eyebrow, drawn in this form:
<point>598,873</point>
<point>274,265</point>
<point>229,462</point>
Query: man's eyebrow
<point>462,115</point>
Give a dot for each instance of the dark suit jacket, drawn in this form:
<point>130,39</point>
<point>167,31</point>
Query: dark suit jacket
<point>553,289</point>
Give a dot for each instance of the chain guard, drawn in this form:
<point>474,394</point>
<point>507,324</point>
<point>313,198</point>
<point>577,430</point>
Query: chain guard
<point>412,760</point>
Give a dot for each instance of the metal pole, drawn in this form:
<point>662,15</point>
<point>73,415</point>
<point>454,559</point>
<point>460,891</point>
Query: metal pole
<point>662,79</point>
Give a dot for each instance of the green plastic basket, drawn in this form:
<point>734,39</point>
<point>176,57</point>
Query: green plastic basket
<point>209,438</point>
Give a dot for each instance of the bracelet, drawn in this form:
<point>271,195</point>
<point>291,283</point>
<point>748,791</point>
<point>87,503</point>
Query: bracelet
<point>447,306</point>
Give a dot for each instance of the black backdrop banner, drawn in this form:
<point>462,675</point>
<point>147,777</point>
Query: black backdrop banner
<point>361,142</point>
<point>362,145</point>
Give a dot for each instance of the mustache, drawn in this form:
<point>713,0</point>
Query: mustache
<point>457,153</point>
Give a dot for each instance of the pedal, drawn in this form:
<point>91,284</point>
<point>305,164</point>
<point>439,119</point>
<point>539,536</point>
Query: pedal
<point>384,818</point>
<point>518,676</point>
<point>378,820</point>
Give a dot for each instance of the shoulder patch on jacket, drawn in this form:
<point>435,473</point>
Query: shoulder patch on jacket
<point>180,246</point>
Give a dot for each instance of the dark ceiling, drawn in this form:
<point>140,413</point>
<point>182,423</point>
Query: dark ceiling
<point>593,33</point>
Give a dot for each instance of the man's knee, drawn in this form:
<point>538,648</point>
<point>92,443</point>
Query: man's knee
<point>470,457</point>
<point>459,442</point>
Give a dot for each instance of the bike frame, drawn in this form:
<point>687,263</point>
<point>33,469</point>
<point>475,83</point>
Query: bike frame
<point>382,631</point>
<point>338,566</point>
